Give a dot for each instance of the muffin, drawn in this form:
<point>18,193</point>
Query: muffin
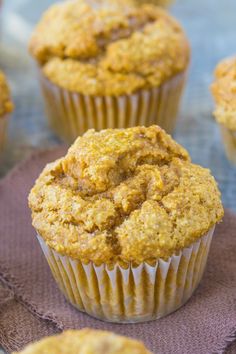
<point>155,2</point>
<point>86,341</point>
<point>224,92</point>
<point>93,73</point>
<point>125,221</point>
<point>6,107</point>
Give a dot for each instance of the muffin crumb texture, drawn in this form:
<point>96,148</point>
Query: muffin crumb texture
<point>86,341</point>
<point>6,105</point>
<point>131,195</point>
<point>108,47</point>
<point>224,92</point>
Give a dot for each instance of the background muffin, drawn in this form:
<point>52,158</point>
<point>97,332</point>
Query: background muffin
<point>155,2</point>
<point>224,92</point>
<point>86,341</point>
<point>6,107</point>
<point>115,211</point>
<point>109,65</point>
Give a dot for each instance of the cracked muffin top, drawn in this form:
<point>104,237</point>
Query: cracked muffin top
<point>128,195</point>
<point>224,92</point>
<point>6,105</point>
<point>86,341</point>
<point>108,47</point>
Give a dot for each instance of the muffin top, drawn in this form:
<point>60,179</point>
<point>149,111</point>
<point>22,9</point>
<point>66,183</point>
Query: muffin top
<point>224,92</point>
<point>6,105</point>
<point>108,47</point>
<point>128,195</point>
<point>86,341</point>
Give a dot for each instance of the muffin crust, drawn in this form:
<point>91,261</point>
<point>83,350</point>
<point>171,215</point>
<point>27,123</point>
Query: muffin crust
<point>6,105</point>
<point>108,47</point>
<point>224,92</point>
<point>128,195</point>
<point>86,341</point>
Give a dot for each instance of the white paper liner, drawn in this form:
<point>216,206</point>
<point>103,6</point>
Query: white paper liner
<point>229,139</point>
<point>70,114</point>
<point>135,294</point>
<point>3,131</point>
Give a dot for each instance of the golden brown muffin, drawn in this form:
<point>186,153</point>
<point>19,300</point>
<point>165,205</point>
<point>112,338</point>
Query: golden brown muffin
<point>129,194</point>
<point>108,47</point>
<point>224,92</point>
<point>86,341</point>
<point>155,2</point>
<point>6,105</point>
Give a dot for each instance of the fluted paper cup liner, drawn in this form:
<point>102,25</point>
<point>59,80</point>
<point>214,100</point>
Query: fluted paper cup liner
<point>133,293</point>
<point>3,131</point>
<point>229,139</point>
<point>70,113</point>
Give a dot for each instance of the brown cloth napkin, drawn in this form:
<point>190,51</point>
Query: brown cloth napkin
<point>31,306</point>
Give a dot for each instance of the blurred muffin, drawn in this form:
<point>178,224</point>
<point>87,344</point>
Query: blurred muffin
<point>127,219</point>
<point>155,2</point>
<point>6,107</point>
<point>224,92</point>
<point>86,341</point>
<point>109,64</point>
